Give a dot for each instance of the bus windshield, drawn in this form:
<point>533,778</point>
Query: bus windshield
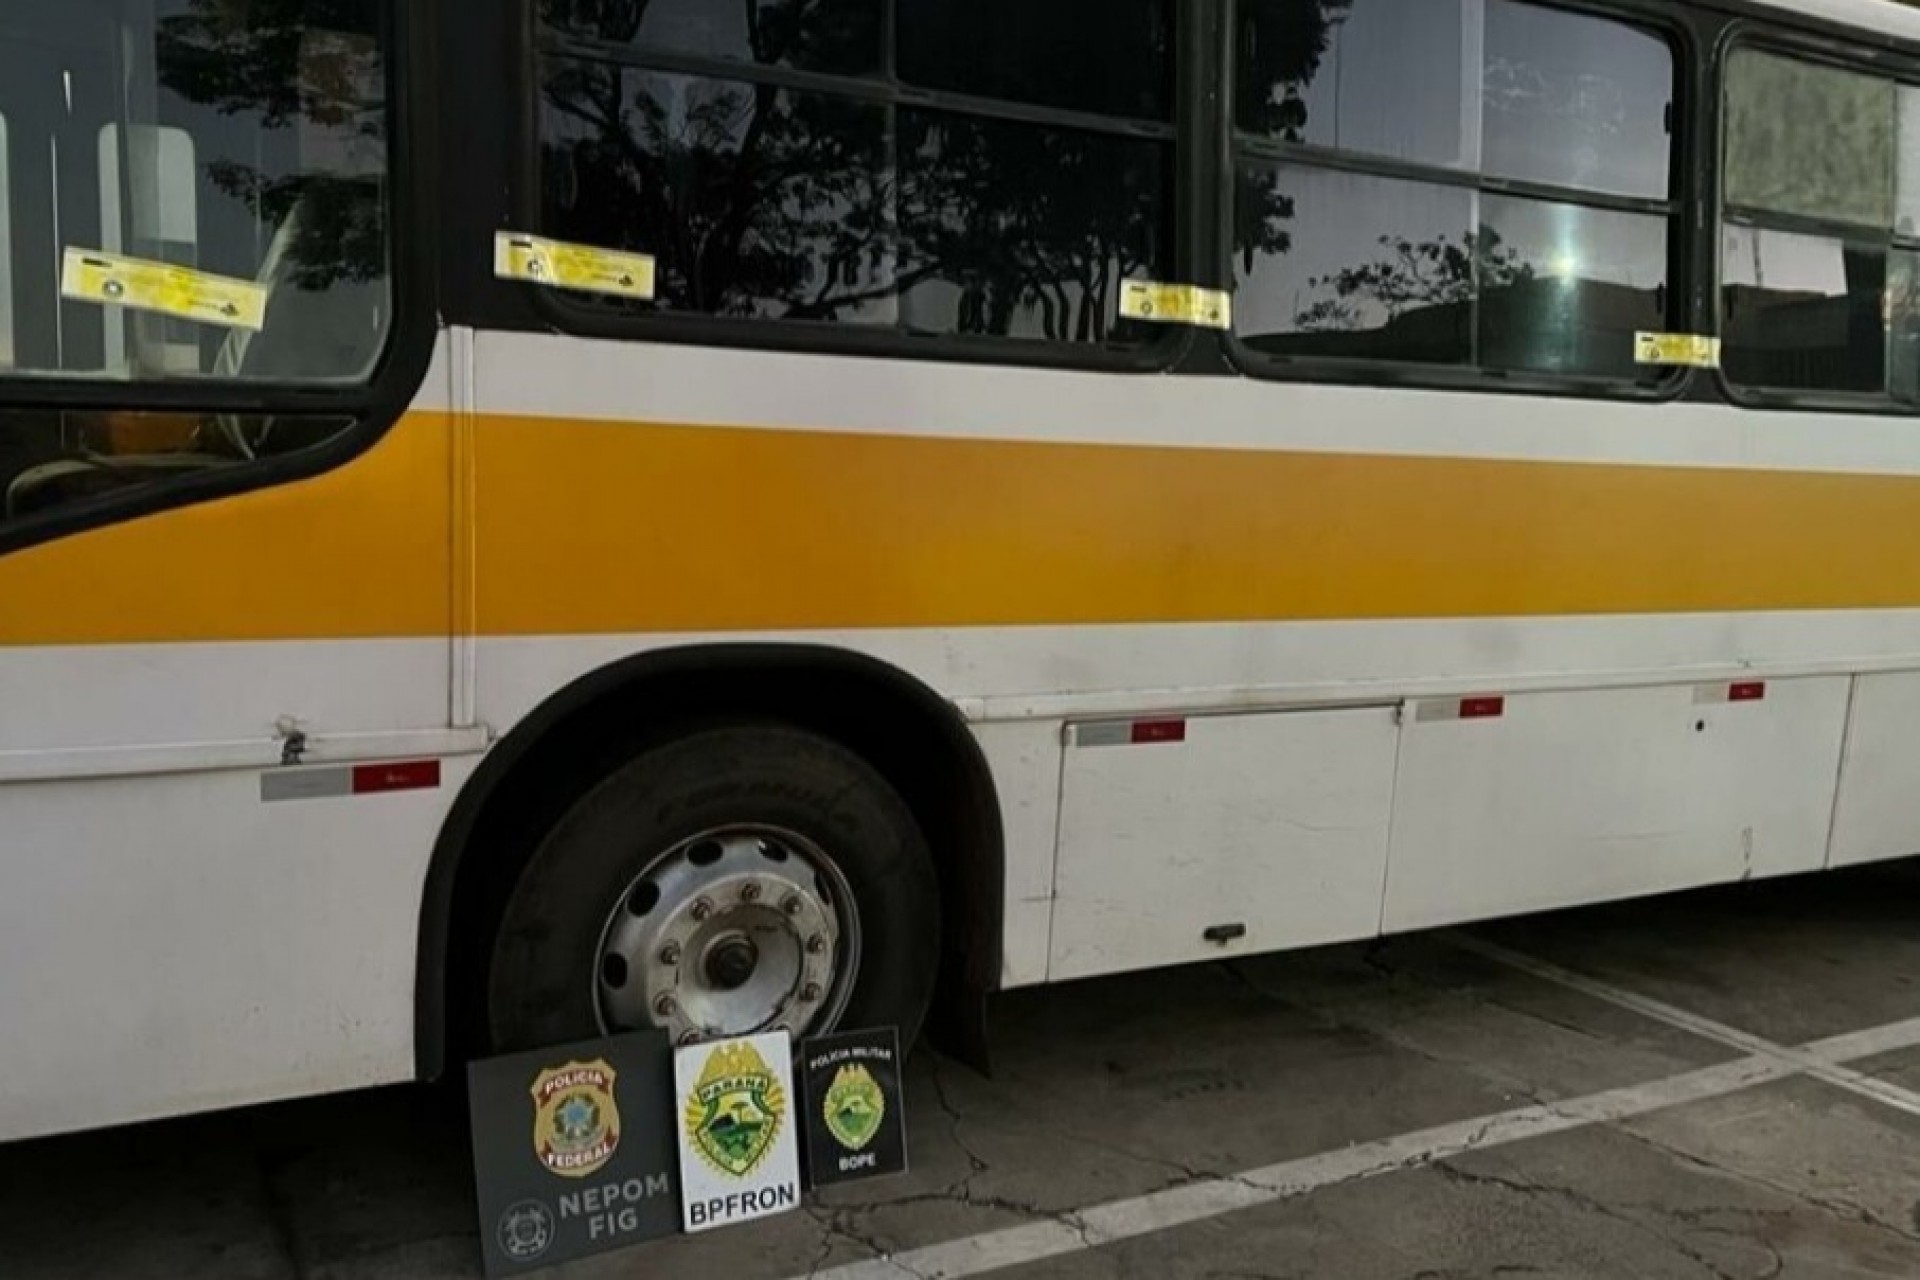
<point>193,189</point>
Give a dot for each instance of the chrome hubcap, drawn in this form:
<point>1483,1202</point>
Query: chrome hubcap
<point>731,933</point>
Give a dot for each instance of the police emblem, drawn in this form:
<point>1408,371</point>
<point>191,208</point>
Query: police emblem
<point>576,1122</point>
<point>526,1229</point>
<point>735,1110</point>
<point>855,1106</point>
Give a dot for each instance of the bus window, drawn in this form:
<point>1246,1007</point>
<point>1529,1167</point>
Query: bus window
<point>1378,78</point>
<point>1469,183</point>
<point>1803,311</point>
<point>1816,280</point>
<point>1906,162</point>
<point>996,204</point>
<point>231,139</point>
<point>162,216</point>
<point>6,257</point>
<point>1299,300</point>
<point>1903,325</point>
<point>1809,141</point>
<point>837,37</point>
<point>240,141</point>
<point>1118,63</point>
<point>758,202</point>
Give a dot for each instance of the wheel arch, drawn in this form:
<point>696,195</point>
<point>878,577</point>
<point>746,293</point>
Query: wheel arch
<point>917,740</point>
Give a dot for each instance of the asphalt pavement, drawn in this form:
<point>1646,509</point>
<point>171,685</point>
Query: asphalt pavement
<point>1721,1084</point>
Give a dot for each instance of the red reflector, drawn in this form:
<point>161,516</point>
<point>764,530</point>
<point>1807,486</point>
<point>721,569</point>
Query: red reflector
<point>1750,691</point>
<point>411,775</point>
<point>1482,708</point>
<point>1147,732</point>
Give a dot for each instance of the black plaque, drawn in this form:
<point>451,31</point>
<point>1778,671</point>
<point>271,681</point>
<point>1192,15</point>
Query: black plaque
<point>856,1109</point>
<point>573,1151</point>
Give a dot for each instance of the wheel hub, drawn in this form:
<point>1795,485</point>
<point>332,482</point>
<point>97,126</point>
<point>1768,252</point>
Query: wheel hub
<point>728,934</point>
<point>731,962</point>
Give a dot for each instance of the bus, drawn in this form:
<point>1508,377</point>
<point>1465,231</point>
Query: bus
<point>530,519</point>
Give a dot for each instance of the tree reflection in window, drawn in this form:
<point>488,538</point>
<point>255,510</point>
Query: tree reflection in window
<point>299,65</point>
<point>1474,183</point>
<point>246,140</point>
<point>836,201</point>
<point>1409,276</point>
<point>757,200</point>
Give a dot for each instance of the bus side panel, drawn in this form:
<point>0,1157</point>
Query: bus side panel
<point>174,944</point>
<point>1567,798</point>
<point>1878,815</point>
<point>170,939</point>
<point>1189,839</point>
<point>1024,758</point>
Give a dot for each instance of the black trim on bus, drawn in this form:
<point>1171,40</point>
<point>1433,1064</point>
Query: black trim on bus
<point>1203,42</point>
<point>372,407</point>
<point>1278,154</point>
<point>1801,224</point>
<point>1696,241</point>
<point>481,103</point>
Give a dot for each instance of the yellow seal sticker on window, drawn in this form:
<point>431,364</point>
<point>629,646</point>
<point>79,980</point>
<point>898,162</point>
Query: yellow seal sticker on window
<point>87,276</point>
<point>1690,350</point>
<point>1176,304</point>
<point>572,266</point>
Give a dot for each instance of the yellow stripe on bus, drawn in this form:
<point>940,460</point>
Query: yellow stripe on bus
<point>605,527</point>
<point>363,551</point>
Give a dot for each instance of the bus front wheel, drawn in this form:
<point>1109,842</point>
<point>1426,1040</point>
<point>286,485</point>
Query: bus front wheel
<point>738,880</point>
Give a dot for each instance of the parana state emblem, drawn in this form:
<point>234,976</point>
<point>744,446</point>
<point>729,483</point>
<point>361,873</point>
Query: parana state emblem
<point>855,1106</point>
<point>576,1121</point>
<point>736,1108</point>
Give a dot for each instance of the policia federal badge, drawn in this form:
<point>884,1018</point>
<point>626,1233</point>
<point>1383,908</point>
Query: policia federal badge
<point>573,1150</point>
<point>576,1119</point>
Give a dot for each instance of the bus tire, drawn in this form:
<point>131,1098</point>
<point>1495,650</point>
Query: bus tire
<point>736,879</point>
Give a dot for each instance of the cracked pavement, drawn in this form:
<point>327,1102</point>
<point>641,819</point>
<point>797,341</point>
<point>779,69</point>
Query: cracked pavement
<point>1142,1090</point>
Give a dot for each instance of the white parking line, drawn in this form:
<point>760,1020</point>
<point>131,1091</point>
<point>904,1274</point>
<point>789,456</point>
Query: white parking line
<point>1827,1071</point>
<point>1128,1219</point>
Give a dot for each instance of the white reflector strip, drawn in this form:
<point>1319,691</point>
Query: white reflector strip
<point>333,782</point>
<point>1131,733</point>
<point>1485,707</point>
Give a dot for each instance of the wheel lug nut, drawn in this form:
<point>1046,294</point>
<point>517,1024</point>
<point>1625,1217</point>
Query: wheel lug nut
<point>793,906</point>
<point>817,945</point>
<point>670,954</point>
<point>810,993</point>
<point>702,910</point>
<point>749,893</point>
<point>666,1006</point>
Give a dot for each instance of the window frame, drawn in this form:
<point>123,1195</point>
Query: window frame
<point>1892,64</point>
<point>555,309</point>
<point>8,308</point>
<point>1672,24</point>
<point>372,407</point>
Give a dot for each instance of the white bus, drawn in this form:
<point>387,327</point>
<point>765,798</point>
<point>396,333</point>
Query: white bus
<point>531,518</point>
